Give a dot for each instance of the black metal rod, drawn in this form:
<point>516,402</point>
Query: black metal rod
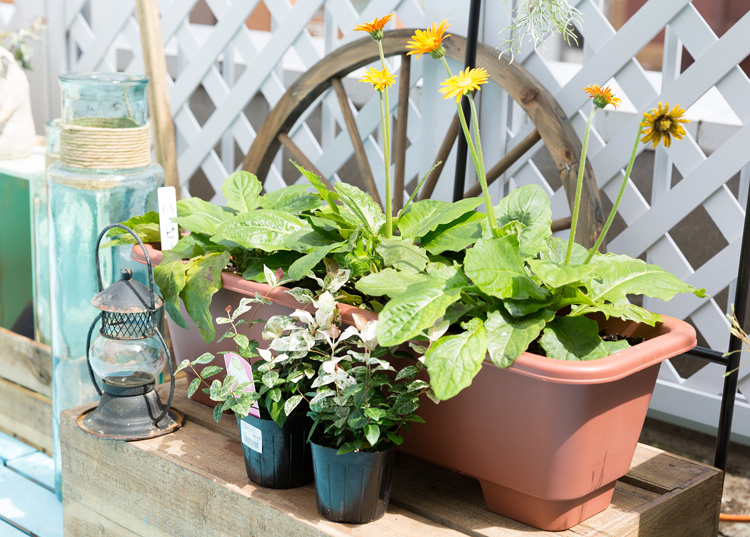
<point>459,182</point>
<point>735,345</point>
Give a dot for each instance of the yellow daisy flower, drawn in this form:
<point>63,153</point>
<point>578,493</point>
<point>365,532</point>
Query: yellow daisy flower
<point>663,123</point>
<point>602,96</point>
<point>375,28</point>
<point>429,40</point>
<point>464,82</point>
<point>379,79</point>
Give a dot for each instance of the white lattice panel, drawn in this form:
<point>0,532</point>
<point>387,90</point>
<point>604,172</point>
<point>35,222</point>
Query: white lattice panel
<point>218,68</point>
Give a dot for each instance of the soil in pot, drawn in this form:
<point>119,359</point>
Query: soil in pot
<point>353,487</point>
<point>276,457</point>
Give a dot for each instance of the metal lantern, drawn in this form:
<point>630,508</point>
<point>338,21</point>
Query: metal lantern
<point>128,355</point>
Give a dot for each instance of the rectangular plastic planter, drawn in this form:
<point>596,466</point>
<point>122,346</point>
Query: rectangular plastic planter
<point>547,439</point>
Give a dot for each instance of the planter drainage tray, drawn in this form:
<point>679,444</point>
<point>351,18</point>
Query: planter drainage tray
<point>193,482</point>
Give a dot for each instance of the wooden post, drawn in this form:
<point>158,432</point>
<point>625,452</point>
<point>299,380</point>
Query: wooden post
<point>158,93</point>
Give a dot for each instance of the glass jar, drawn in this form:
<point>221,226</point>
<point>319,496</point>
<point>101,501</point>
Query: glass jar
<point>104,176</point>
<point>40,235</point>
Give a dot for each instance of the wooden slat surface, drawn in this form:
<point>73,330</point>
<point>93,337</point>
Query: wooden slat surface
<point>25,362</point>
<point>197,485</point>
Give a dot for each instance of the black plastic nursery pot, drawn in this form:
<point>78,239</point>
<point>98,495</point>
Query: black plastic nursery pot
<point>276,457</point>
<point>353,487</point>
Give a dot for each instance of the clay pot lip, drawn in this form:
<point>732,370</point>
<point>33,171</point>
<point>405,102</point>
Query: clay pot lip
<point>664,341</point>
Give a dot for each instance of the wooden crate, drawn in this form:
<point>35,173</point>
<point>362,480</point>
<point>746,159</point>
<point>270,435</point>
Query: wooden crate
<point>193,482</point>
<point>26,390</point>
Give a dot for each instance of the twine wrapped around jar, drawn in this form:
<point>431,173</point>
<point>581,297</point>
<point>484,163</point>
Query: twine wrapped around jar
<point>104,144</point>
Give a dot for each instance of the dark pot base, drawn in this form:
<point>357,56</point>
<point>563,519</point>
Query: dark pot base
<point>353,487</point>
<point>276,457</point>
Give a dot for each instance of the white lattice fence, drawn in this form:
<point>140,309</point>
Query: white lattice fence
<point>684,180</point>
<point>227,66</point>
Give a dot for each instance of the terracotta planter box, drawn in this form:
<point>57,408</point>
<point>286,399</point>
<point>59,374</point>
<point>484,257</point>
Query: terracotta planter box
<point>547,439</point>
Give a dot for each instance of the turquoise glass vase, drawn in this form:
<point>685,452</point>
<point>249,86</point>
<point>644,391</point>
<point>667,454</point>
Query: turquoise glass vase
<point>101,179</point>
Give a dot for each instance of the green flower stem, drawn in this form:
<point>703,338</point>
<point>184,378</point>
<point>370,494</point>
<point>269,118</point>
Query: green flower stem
<point>579,186</point>
<point>386,125</point>
<point>476,156</point>
<point>613,212</point>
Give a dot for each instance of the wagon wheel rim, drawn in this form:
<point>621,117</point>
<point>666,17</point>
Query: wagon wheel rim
<point>552,125</point>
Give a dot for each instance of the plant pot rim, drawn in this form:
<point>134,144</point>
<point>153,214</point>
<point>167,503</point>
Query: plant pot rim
<point>666,340</point>
<point>235,282</point>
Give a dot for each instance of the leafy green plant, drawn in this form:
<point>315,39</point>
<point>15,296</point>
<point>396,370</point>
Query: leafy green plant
<point>361,402</point>
<point>17,42</point>
<point>277,382</point>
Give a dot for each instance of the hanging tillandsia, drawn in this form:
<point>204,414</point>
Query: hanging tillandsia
<point>536,19</point>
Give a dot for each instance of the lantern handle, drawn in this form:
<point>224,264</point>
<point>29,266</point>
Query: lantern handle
<point>88,354</point>
<point>171,380</point>
<point>145,253</point>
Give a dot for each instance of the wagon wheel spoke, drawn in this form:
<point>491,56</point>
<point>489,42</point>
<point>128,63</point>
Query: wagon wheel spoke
<point>399,148</point>
<point>442,156</point>
<point>506,162</point>
<point>301,158</point>
<point>359,148</point>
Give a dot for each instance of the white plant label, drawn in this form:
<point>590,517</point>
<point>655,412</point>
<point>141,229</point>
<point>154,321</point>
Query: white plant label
<point>167,199</point>
<point>252,437</point>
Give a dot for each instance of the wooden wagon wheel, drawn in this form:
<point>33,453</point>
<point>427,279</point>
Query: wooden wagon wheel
<point>552,125</point>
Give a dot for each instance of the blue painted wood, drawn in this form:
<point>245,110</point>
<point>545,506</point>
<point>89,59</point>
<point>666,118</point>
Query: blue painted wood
<point>36,466</point>
<point>12,448</point>
<point>6,530</point>
<point>29,505</point>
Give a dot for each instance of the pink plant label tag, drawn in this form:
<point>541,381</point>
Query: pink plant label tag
<point>240,369</point>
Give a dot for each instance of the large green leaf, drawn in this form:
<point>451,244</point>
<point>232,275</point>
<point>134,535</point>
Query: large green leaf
<point>402,254</point>
<point>389,282</point>
<point>362,206</point>
<point>242,190</point>
<point>557,274</point>
<point>626,312</point>
<point>617,276</point>
<point>558,247</point>
<point>146,226</point>
<point>577,338</point>
<point>425,215</point>
<point>203,280</point>
<point>170,277</point>
<point>199,216</point>
<point>293,199</point>
<point>252,263</point>
<point>329,196</point>
<point>530,206</point>
<point>495,266</point>
<point>263,229</point>
<point>508,337</point>
<point>307,239</point>
<point>453,361</point>
<point>306,263</point>
<point>456,235</point>
<point>405,316</point>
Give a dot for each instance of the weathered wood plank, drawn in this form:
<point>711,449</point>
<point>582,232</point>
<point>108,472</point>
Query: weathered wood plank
<point>25,362</point>
<point>201,477</point>
<point>26,414</point>
<point>200,470</point>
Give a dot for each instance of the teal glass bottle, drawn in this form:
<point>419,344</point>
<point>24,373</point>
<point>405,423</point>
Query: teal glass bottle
<point>104,176</point>
<point>40,236</point>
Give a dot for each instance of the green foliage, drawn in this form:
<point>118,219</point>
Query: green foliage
<point>360,401</point>
<point>279,380</point>
<point>491,292</point>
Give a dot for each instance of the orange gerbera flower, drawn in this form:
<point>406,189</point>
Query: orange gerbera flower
<point>602,96</point>
<point>379,79</point>
<point>663,123</point>
<point>464,82</point>
<point>429,40</point>
<point>375,28</point>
